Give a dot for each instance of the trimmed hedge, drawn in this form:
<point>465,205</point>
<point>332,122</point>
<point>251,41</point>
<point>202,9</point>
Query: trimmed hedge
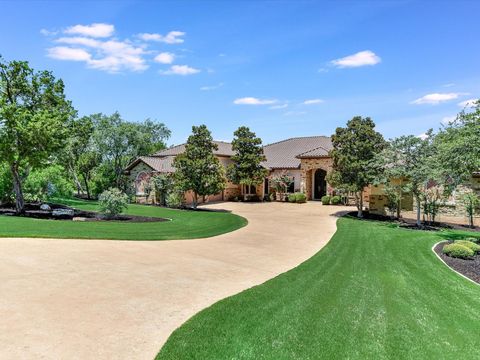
<point>326,200</point>
<point>458,251</point>
<point>336,200</point>
<point>292,198</point>
<point>469,244</point>
<point>300,198</point>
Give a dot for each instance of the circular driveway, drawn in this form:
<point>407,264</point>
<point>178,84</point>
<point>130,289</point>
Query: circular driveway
<point>105,299</point>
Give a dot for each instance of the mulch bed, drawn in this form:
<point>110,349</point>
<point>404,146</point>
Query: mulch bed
<point>470,268</point>
<point>34,211</point>
<point>411,223</point>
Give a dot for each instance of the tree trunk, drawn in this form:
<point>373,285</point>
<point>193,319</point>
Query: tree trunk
<point>87,189</point>
<point>399,207</point>
<point>195,200</point>
<point>17,188</point>
<point>360,205</point>
<point>417,199</point>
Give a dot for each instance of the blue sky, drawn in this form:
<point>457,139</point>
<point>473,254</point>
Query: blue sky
<point>284,68</point>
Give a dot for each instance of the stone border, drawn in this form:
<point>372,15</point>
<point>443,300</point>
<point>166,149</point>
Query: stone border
<point>465,277</point>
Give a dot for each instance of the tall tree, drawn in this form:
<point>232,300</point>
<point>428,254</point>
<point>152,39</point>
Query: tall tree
<point>412,158</point>
<point>34,119</point>
<point>246,168</point>
<point>198,169</point>
<point>354,149</point>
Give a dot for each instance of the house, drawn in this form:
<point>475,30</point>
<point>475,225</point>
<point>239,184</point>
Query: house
<point>304,159</point>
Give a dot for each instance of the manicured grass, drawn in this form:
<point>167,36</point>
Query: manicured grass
<point>374,292</point>
<point>184,225</point>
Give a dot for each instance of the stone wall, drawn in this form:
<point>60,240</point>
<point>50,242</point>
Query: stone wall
<point>307,167</point>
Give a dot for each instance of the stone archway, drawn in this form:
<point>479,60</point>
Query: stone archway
<point>319,184</point>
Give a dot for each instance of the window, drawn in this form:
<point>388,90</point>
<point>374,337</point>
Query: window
<point>250,190</point>
<point>291,187</point>
<point>265,187</point>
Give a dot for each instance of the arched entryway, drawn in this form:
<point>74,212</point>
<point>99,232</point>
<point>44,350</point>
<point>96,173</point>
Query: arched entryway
<point>319,184</point>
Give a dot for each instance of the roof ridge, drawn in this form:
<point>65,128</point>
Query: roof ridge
<point>297,137</point>
<point>318,147</point>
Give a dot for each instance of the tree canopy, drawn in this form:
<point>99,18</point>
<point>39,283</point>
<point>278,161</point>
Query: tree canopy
<point>198,169</point>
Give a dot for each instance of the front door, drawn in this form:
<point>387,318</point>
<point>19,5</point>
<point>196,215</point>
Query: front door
<point>319,184</point>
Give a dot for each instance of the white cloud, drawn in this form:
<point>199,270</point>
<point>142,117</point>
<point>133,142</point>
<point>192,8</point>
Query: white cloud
<point>422,136</point>
<point>362,58</point>
<point>66,53</point>
<point>97,30</point>
<point>468,103</point>
<point>448,119</point>
<point>277,107</point>
<point>436,98</point>
<point>313,101</point>
<point>111,55</point>
<point>180,70</point>
<point>46,32</point>
<point>294,113</point>
<point>254,101</point>
<point>173,37</point>
<point>165,58</point>
<point>323,70</point>
<point>211,87</point>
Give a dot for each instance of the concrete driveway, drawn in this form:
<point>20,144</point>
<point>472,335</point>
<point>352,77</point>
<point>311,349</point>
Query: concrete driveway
<point>103,299</point>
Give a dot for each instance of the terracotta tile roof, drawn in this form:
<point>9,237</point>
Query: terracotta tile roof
<point>284,154</point>
<point>224,149</point>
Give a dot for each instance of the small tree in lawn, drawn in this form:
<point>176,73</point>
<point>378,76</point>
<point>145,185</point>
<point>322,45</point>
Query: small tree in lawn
<point>34,120</point>
<point>354,150</point>
<point>112,202</point>
<point>246,168</point>
<point>198,169</point>
<point>412,158</point>
<point>472,202</point>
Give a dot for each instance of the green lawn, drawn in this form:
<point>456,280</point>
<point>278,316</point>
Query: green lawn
<point>374,292</point>
<point>184,225</point>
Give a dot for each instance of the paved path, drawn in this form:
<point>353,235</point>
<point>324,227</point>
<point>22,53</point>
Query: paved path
<point>103,299</point>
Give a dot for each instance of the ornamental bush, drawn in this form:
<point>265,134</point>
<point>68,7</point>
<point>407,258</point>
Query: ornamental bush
<point>469,244</point>
<point>112,202</point>
<point>458,251</point>
<point>300,198</point>
<point>292,198</point>
<point>326,200</point>
<point>336,200</point>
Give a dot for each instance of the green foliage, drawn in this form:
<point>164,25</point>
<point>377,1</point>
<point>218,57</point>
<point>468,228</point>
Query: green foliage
<point>459,147</point>
<point>198,169</point>
<point>458,251</point>
<point>34,119</point>
<point>292,198</point>
<point>163,184</point>
<point>326,200</point>
<point>300,198</point>
<point>469,244</point>
<point>6,186</point>
<point>354,150</point>
<point>47,183</point>
<point>335,200</point>
<point>471,201</point>
<point>281,182</point>
<point>112,202</point>
<point>175,199</point>
<point>246,168</point>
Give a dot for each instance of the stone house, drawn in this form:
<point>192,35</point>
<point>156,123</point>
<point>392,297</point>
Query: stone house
<point>304,159</point>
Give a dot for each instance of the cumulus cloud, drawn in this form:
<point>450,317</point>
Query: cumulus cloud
<point>173,37</point>
<point>436,98</point>
<point>165,58</point>
<point>211,87</point>
<point>422,136</point>
<point>66,53</point>
<point>254,101</point>
<point>362,58</point>
<point>97,30</point>
<point>468,103</point>
<point>180,70</point>
<point>107,55</point>
<point>277,107</point>
<point>313,101</point>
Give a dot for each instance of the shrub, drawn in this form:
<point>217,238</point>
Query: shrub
<point>326,200</point>
<point>475,240</point>
<point>175,199</point>
<point>46,183</point>
<point>336,200</point>
<point>292,198</point>
<point>112,202</point>
<point>458,251</point>
<point>301,198</point>
<point>469,244</point>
